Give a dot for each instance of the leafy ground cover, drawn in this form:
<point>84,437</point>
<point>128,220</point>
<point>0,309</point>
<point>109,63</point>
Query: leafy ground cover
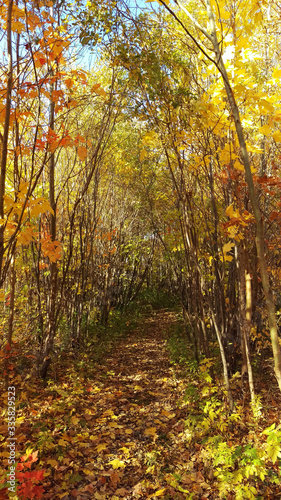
<point>146,422</point>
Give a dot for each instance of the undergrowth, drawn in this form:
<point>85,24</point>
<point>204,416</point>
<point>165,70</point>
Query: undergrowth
<point>240,451</point>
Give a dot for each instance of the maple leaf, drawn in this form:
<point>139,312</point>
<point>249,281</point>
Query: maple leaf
<point>227,248</point>
<point>116,463</point>
<point>97,89</point>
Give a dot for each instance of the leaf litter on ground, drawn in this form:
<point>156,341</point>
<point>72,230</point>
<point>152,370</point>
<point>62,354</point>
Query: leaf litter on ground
<point>117,431</point>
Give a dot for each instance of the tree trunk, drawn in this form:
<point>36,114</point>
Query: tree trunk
<point>10,325</point>
<point>47,342</point>
<point>4,138</point>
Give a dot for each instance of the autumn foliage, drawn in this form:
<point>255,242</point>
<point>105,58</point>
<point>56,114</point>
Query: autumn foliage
<point>139,164</point>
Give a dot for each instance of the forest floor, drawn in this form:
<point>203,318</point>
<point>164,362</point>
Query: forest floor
<point>118,431</point>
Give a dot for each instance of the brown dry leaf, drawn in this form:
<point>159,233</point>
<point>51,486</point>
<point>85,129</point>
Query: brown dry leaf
<point>121,492</point>
<point>89,488</point>
<point>74,420</point>
<point>98,496</point>
<point>75,493</point>
<point>114,479</point>
<point>138,489</point>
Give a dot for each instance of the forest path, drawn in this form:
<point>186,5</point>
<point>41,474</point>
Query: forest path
<point>135,423</point>
<point>114,430</point>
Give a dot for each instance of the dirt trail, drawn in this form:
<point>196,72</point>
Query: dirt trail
<point>136,419</point>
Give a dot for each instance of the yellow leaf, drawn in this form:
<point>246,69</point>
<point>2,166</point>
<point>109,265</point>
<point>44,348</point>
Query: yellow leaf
<point>168,414</point>
<point>62,442</point>
<point>116,463</point>
<point>25,236</point>
<point>265,106</point>
<point>62,495</point>
<point>20,420</point>
<point>276,73</point>
<point>52,462</point>
<point>159,493</point>
<point>277,136</point>
<point>238,165</point>
<point>232,213</point>
<point>265,130</point>
<point>233,232</point>
<point>143,154</point>
<point>88,472</point>
<point>23,187</point>
<point>227,248</point>
<point>124,449</point>
<point>40,206</point>
<point>101,447</point>
<point>258,17</point>
<point>150,431</point>
<point>94,438</point>
<point>128,431</point>
<point>138,388</point>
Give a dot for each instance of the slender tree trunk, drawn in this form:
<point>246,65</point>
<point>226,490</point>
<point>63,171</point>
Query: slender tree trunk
<point>10,325</point>
<point>245,296</point>
<point>47,342</point>
<point>248,329</point>
<point>4,138</point>
<point>224,362</point>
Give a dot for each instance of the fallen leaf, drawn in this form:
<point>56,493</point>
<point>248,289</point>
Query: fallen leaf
<point>101,447</point>
<point>159,493</point>
<point>114,479</point>
<point>121,492</point>
<point>150,431</point>
<point>116,463</point>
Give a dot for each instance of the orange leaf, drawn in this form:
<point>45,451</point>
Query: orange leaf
<point>97,89</point>
<point>82,152</point>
